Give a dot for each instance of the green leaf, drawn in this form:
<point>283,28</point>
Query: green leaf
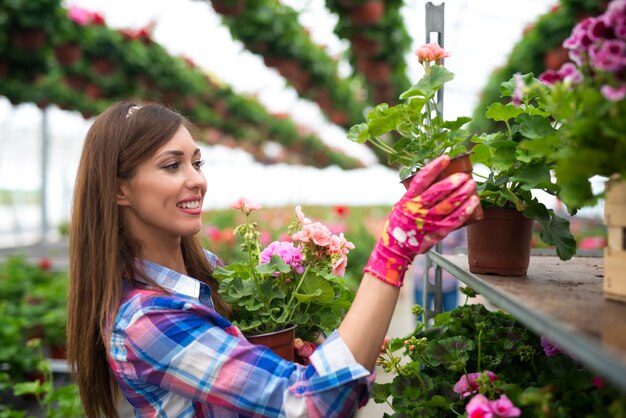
<point>438,401</point>
<point>359,133</point>
<point>276,264</point>
<point>428,85</point>
<point>456,124</point>
<point>451,352</point>
<point>555,230</point>
<point>315,288</point>
<point>535,127</point>
<point>384,119</point>
<point>381,392</point>
<point>500,113</point>
<point>532,176</point>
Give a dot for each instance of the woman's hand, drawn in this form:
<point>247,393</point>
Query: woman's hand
<point>424,215</point>
<point>303,349</point>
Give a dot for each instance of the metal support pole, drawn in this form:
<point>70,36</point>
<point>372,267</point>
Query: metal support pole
<point>45,149</point>
<point>434,33</point>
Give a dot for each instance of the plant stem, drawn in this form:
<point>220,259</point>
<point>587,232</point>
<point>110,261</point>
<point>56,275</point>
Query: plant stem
<point>293,294</point>
<point>480,334</point>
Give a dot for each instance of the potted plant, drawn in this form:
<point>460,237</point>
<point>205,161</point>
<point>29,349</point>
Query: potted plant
<point>515,172</point>
<point>479,363</point>
<point>420,132</point>
<point>587,98</point>
<point>293,285</point>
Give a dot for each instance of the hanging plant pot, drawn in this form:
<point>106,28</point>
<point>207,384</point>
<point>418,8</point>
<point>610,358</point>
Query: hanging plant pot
<point>555,58</point>
<point>68,54</point>
<point>615,251</point>
<point>376,72</point>
<point>103,66</point>
<point>229,7</point>
<point>362,45</point>
<point>280,342</point>
<point>4,68</point>
<point>368,13</point>
<point>500,243</point>
<point>339,117</point>
<point>29,39</point>
<point>93,91</point>
<point>75,81</point>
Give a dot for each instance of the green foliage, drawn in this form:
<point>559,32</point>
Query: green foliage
<point>428,363</point>
<point>529,53</point>
<point>520,160</point>
<point>423,133</point>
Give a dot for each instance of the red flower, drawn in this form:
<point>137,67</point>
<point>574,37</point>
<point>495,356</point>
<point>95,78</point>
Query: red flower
<point>341,210</point>
<point>45,264</point>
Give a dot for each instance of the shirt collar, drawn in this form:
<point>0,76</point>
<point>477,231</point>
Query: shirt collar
<point>172,280</point>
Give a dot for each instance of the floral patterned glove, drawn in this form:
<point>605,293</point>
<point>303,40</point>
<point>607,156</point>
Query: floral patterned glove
<point>424,215</point>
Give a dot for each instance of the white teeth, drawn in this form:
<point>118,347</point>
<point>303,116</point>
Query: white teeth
<point>190,205</point>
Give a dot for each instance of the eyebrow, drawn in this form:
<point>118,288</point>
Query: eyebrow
<point>178,153</point>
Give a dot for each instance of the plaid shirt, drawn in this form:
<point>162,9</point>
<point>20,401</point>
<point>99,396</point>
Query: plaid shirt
<point>174,356</point>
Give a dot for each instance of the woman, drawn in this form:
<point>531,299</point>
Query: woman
<point>145,319</point>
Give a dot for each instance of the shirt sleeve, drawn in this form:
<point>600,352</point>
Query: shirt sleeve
<point>183,347</point>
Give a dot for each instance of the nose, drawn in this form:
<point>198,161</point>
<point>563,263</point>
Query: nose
<point>195,179</point>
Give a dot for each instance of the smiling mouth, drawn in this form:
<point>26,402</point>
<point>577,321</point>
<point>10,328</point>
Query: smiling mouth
<point>194,204</point>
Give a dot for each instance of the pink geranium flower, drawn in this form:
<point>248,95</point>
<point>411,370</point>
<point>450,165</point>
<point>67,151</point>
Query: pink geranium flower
<point>431,53</point>
<point>314,232</point>
<point>504,408</point>
<point>245,205</point>
<point>468,384</point>
<point>479,407</point>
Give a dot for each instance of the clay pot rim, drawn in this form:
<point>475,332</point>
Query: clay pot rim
<point>267,334</point>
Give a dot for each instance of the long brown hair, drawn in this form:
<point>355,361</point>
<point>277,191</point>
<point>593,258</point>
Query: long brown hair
<point>102,253</point>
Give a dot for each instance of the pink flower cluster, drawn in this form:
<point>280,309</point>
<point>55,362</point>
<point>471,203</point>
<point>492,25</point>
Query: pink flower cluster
<point>598,43</point>
<point>468,384</point>
<point>85,17</point>
<point>481,407</point>
<point>432,52</point>
<point>335,246</point>
<point>290,254</point>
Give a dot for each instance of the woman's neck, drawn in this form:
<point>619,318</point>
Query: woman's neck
<point>170,256</point>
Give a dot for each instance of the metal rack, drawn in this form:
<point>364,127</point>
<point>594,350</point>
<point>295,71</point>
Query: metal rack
<point>561,300</point>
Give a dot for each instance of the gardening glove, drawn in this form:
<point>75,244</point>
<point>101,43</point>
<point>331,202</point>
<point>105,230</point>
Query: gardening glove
<point>424,215</point>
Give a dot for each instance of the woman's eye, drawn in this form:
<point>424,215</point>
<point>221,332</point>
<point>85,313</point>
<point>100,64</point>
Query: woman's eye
<point>198,163</point>
<point>172,166</point>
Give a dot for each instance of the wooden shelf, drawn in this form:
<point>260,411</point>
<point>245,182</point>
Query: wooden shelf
<point>561,300</point>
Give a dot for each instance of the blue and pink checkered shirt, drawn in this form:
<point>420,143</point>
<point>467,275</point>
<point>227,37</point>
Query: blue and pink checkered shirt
<point>174,356</point>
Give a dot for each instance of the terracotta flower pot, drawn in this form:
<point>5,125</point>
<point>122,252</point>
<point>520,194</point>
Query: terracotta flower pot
<point>29,39</point>
<point>68,54</point>
<point>364,46</point>
<point>459,164</point>
<point>368,13</point>
<point>500,243</point>
<point>103,66</point>
<point>280,342</point>
<point>229,7</point>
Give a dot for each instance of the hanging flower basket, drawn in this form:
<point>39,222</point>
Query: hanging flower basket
<point>68,54</point>
<point>229,7</point>
<point>103,66</point>
<point>364,46</point>
<point>29,39</point>
<point>368,13</point>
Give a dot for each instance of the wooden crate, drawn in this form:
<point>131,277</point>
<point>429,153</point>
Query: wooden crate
<point>615,251</point>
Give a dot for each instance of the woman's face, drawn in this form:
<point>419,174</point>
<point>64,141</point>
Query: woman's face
<point>163,200</point>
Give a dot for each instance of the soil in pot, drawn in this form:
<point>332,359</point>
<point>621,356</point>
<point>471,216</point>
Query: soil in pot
<point>500,243</point>
<point>280,342</point>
